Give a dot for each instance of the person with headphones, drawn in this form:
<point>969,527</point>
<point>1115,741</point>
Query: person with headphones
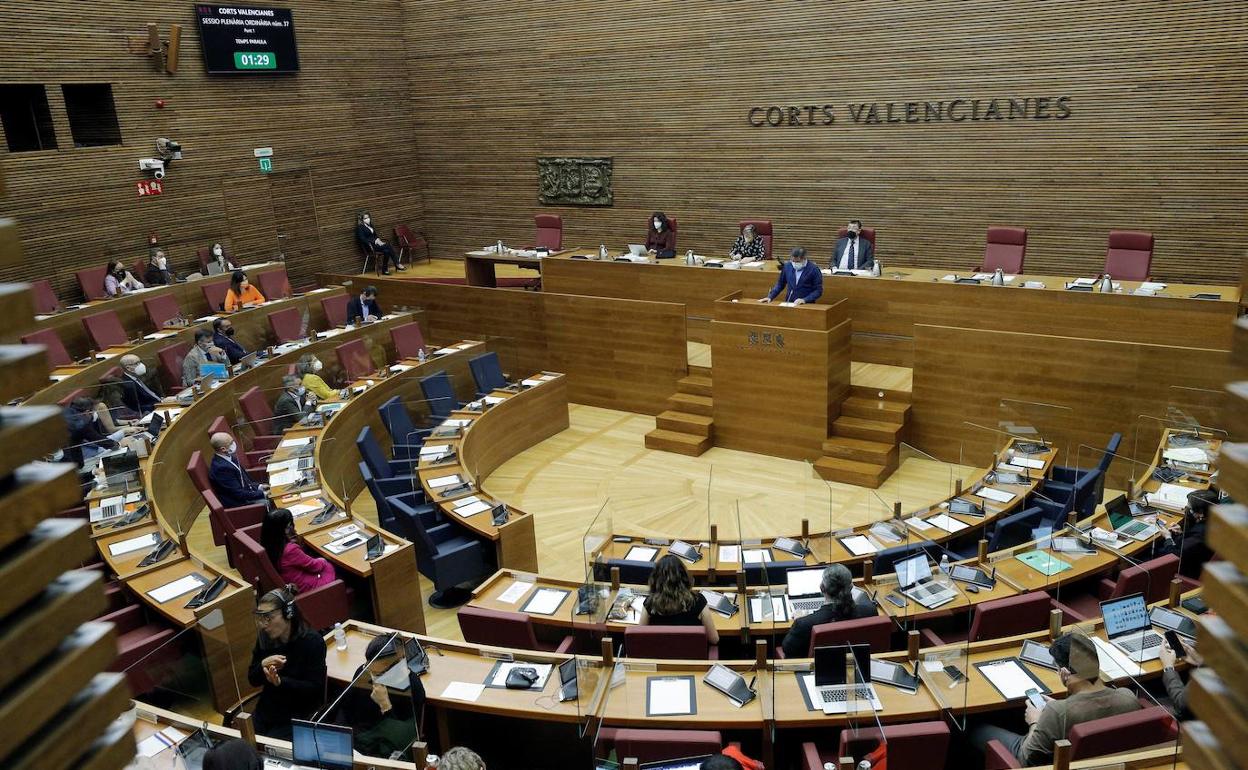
<point>288,663</point>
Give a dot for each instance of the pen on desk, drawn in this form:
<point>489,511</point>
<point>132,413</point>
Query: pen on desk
<point>753,679</point>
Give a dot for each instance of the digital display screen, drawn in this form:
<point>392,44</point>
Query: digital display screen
<point>244,39</point>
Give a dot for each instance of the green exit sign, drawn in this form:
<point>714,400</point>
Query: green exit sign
<point>255,60</point>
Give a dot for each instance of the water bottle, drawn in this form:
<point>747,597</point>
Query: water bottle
<point>499,248</point>
<point>420,355</point>
<point>431,761</point>
<point>340,638</point>
<point>998,277</point>
<point>689,257</point>
<point>101,478</point>
<point>944,563</point>
<point>875,269</point>
<point>829,766</point>
<point>602,251</point>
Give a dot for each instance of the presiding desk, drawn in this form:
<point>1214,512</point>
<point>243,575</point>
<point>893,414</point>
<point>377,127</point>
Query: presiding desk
<point>479,265</point>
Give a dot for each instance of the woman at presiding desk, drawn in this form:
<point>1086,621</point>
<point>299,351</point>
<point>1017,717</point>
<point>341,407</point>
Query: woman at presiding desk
<point>288,663</point>
<point>304,572</point>
<point>748,247</point>
<point>660,239</point>
<point>673,602</point>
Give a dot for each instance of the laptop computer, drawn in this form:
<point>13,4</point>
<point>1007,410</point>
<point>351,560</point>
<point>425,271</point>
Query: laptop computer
<point>637,249</point>
<point>155,425</point>
<point>914,578</point>
<point>245,363</point>
<point>833,692</point>
<point>321,745</point>
<point>415,661</point>
<point>1124,523</point>
<point>121,467</point>
<point>802,592</point>
<point>687,763</point>
<point>213,371</point>
<point>213,268</point>
<point>1128,628</point>
<point>567,680</point>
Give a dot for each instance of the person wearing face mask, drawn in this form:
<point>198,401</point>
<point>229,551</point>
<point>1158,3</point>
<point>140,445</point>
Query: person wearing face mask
<point>118,281</point>
<point>223,337</point>
<point>853,251</point>
<point>748,247</point>
<point>158,273</point>
<point>216,254</point>
<point>241,293</point>
<point>801,281</point>
<point>660,237</point>
<point>368,237</point>
<point>293,564</point>
<point>364,307</point>
<point>1186,539</point>
<point>309,371</point>
<point>291,405</point>
<point>1087,698</point>
<point>91,430</point>
<point>287,663</point>
<point>202,352</point>
<point>382,721</point>
<point>229,479</point>
<point>136,392</point>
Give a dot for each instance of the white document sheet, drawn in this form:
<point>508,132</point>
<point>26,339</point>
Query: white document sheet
<point>1187,454</point>
<point>433,450</point>
<point>730,553</point>
<point>444,481</point>
<point>1026,462</point>
<point>1172,496</point>
<point>859,545</point>
<point>1008,677</point>
<point>294,442</point>
<point>514,592</point>
<point>399,368</point>
<point>641,553</point>
<point>543,673</point>
<point>177,588</point>
<point>303,509</point>
<point>917,523</point>
<point>492,400</point>
<point>531,383</point>
<point>133,544</point>
<point>995,495</point>
<point>1114,662</point>
<point>757,555</point>
<point>444,351</point>
<point>465,691</point>
<point>456,423</point>
<point>779,608</point>
<point>159,741</point>
<point>472,509</point>
<point>947,523</point>
<point>1152,286</point>
<point>670,697</point>
<point>283,478</point>
<point>546,601</point>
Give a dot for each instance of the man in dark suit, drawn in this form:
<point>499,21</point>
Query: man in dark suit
<point>853,251</point>
<point>234,487</point>
<point>364,307</point>
<point>801,281</point>
<point>368,237</point>
<point>838,604</point>
<point>135,391</point>
<point>158,272</point>
<point>223,337</point>
<point>290,406</point>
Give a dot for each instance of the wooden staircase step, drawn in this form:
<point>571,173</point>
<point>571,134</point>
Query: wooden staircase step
<point>703,371</point>
<point>870,475</point>
<point>859,450</point>
<point>868,430</point>
<point>687,402</point>
<point>866,391</point>
<point>679,443</point>
<point>876,409</point>
<point>695,384</point>
<point>683,422</point>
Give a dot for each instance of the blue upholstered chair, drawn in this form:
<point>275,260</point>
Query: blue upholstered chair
<point>398,488</point>
<point>405,438</point>
<point>487,372</point>
<point>444,554</point>
<point>383,469</point>
<point>1061,484</point>
<point>440,394</point>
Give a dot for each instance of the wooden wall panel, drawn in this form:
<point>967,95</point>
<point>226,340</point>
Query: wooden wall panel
<point>970,377</point>
<point>341,130</point>
<point>1154,141</point>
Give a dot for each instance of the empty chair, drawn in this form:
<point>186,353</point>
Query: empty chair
<point>444,553</point>
<point>669,642</point>
<point>1084,496</point>
<point>1005,249</point>
<point>1010,616</point>
<point>646,745</point>
<point>505,629</point>
<point>405,437</point>
<point>1099,737</point>
<point>259,414</point>
<point>440,395</point>
<point>335,308</point>
<point>919,744</point>
<point>92,282</point>
<point>274,284</point>
<point>875,631</point>
<point>1129,255</point>
<point>287,325</point>
<point>162,308</point>
<point>355,360</point>
<point>105,330</point>
<point>410,242</point>
<point>408,340</point>
<point>55,350</point>
<point>631,571</point>
<point>170,358</point>
<point>487,372</point>
<point>1016,528</point>
<point>385,490</point>
<point>370,453</point>
<point>46,302</point>
<point>762,229</point>
<point>140,640</point>
<point>549,231</point>
<point>222,521</point>
<point>322,607</point>
<point>1061,483</point>
<point>214,293</point>
<point>1151,578</point>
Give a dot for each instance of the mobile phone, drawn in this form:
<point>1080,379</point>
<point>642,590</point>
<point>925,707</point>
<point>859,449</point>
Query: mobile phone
<point>895,599</point>
<point>1035,697</point>
<point>954,673</point>
<point>1172,639</point>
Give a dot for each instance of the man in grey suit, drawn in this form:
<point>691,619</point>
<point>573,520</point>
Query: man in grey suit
<point>853,251</point>
<point>202,352</point>
<point>291,405</point>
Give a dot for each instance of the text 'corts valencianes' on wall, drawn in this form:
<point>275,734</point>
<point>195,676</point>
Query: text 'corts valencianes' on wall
<point>882,113</point>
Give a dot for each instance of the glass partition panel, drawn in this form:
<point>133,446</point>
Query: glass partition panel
<point>1034,422</point>
<point>594,594</point>
<point>946,670</point>
<point>919,481</point>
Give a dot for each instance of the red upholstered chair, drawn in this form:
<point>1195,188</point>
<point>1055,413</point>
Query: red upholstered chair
<point>921,744</point>
<point>170,358</point>
<point>1151,578</point>
<point>274,284</point>
<point>142,640</point>
<point>71,395</point>
<point>55,351</point>
<point>408,340</point>
<point>322,607</point>
<point>669,642</point>
<point>1005,249</point>
<point>660,745</point>
<point>549,231</point>
<point>105,330</point>
<point>505,629</point>
<point>92,282</point>
<point>867,232</point>
<point>335,308</point>
<point>1129,256</point>
<point>762,228</point>
<point>409,242</point>
<point>46,302</point>
<point>161,308</point>
<point>355,361</point>
<point>214,293</point>
<point>259,413</point>
<point>1100,737</point>
<point>221,520</point>
<point>205,255</point>
<point>286,324</point>
<point>1010,616</point>
<point>876,631</point>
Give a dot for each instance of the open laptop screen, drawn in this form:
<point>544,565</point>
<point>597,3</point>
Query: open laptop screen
<point>912,570</point>
<point>1122,616</point>
<point>804,581</point>
<point>321,745</point>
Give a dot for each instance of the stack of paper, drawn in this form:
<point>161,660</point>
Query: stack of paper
<point>470,506</point>
<point>1189,454</point>
<point>290,443</point>
<point>130,545</point>
<point>177,588</point>
<point>996,495</point>
<point>730,553</point>
<point>1172,496</point>
<point>514,591</point>
<point>1114,662</point>
<point>1026,462</point>
<point>757,555</point>
<point>947,523</point>
<point>445,481</point>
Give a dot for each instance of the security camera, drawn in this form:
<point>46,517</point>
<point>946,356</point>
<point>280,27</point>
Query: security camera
<point>159,173</point>
<point>155,165</point>
<point>169,149</point>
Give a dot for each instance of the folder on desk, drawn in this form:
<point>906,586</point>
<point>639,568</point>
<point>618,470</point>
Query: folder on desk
<point>670,696</point>
<point>1044,563</point>
<point>545,601</point>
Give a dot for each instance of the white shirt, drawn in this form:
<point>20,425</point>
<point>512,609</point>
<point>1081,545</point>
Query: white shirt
<point>849,260</point>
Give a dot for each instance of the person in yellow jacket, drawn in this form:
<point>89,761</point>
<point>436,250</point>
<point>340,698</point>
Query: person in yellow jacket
<point>309,371</point>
